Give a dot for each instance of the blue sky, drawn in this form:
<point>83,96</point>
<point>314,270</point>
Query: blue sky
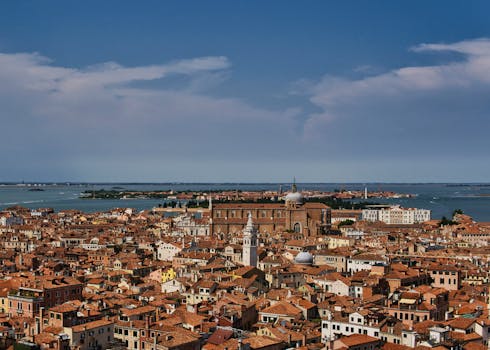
<point>245,91</point>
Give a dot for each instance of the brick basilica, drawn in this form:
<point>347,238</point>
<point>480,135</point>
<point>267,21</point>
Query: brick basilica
<point>310,219</point>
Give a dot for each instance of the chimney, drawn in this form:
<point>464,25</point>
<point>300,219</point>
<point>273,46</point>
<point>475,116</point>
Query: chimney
<point>41,310</point>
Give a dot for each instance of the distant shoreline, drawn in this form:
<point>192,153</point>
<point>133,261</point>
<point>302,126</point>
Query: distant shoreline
<point>68,183</point>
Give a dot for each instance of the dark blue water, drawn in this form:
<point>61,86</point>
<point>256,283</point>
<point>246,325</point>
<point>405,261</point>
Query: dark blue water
<point>442,199</point>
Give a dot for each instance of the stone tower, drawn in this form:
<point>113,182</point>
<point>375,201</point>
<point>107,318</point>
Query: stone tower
<point>250,244</point>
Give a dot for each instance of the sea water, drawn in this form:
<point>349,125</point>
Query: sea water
<point>441,199</point>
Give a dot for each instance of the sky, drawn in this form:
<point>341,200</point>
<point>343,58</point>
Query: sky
<point>245,91</point>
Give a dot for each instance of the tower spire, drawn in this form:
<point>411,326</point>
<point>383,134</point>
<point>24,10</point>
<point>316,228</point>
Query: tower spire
<point>249,257</point>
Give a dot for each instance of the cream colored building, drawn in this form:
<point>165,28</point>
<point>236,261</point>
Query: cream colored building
<point>91,335</point>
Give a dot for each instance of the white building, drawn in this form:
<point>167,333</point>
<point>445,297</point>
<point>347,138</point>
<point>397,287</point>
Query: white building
<point>166,251</point>
<point>396,215</point>
<point>250,243</point>
<point>362,322</point>
<point>191,226</point>
<point>364,262</point>
<point>172,286</point>
<point>9,219</point>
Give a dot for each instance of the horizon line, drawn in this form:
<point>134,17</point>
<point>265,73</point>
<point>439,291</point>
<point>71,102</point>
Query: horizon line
<point>233,182</point>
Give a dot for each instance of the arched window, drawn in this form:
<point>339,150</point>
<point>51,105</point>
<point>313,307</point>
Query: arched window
<point>297,227</point>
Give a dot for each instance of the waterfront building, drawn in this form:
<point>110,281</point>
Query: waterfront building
<point>396,215</point>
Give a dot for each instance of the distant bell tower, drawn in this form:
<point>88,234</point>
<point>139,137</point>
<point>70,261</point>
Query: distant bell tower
<point>250,243</point>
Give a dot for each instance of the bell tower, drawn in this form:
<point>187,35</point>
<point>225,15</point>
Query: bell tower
<point>249,256</point>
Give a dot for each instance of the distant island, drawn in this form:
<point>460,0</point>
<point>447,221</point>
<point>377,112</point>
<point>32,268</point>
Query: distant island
<point>335,199</point>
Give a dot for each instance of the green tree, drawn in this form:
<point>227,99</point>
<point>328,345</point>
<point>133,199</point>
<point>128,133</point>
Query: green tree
<point>445,221</point>
<point>457,211</point>
<point>346,223</point>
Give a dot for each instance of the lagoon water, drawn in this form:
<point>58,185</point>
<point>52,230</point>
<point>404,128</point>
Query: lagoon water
<point>442,199</point>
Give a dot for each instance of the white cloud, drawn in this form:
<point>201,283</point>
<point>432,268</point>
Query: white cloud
<point>411,87</point>
<point>99,113</point>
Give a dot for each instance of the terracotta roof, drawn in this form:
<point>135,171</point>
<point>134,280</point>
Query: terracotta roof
<point>357,339</point>
<point>91,325</point>
<point>282,308</point>
<point>220,336</point>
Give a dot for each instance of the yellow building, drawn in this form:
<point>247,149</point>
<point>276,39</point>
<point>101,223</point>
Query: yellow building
<point>168,275</point>
<point>4,303</point>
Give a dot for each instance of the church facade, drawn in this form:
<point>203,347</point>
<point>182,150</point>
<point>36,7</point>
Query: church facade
<point>310,219</point>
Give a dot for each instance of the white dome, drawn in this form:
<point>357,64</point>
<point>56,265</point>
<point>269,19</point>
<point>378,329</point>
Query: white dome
<point>295,197</point>
<point>304,258</point>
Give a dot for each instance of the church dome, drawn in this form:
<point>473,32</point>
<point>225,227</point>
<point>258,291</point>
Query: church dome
<point>304,258</point>
<point>294,197</point>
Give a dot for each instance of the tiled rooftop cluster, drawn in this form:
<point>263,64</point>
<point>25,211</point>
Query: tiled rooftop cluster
<point>144,280</point>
